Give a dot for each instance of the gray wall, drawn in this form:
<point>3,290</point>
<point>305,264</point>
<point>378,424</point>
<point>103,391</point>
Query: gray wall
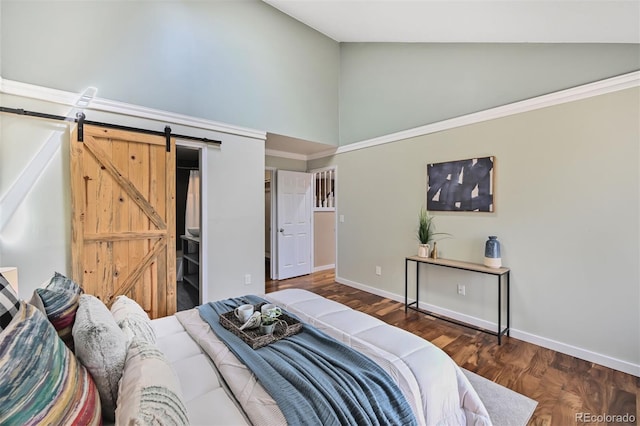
<point>389,87</point>
<point>240,62</point>
<point>246,63</point>
<point>567,213</point>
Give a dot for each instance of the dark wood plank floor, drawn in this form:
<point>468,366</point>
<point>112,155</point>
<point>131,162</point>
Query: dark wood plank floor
<point>564,386</point>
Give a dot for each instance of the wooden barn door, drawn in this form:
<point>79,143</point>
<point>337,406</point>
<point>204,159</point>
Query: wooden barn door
<point>123,217</point>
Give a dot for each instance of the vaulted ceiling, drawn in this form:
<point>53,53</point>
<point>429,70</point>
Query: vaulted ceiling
<point>460,21</point>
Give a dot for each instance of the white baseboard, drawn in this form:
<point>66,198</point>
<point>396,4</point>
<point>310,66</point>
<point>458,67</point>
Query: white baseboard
<point>565,348</point>
<point>585,354</point>
<point>468,319</point>
<point>323,267</point>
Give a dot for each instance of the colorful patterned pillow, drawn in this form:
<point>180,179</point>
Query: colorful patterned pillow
<point>41,381</point>
<point>101,347</point>
<point>149,390</point>
<point>132,319</point>
<point>9,303</point>
<point>59,301</point>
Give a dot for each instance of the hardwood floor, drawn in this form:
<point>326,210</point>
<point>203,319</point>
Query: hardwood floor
<point>564,386</point>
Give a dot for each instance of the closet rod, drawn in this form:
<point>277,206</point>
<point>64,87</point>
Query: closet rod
<point>81,121</point>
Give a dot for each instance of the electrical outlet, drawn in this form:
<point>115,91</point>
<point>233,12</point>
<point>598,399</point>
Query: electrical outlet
<point>378,270</point>
<point>462,291</point>
<point>247,279</point>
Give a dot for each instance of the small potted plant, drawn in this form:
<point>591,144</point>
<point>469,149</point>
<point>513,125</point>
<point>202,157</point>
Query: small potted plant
<point>269,320</point>
<point>426,232</point>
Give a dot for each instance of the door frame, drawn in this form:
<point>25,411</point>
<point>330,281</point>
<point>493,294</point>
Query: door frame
<point>204,204</point>
<point>274,225</point>
<point>273,243</point>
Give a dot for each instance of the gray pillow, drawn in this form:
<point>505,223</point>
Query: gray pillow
<point>101,347</point>
<point>132,319</point>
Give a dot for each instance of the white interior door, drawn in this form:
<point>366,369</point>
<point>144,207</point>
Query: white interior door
<point>294,223</point>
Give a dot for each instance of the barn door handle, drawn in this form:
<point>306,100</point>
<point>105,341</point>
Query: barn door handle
<point>282,230</point>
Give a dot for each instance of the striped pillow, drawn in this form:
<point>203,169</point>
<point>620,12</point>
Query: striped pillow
<point>9,303</point>
<point>132,319</point>
<point>149,391</point>
<point>42,382</point>
<point>59,301</point>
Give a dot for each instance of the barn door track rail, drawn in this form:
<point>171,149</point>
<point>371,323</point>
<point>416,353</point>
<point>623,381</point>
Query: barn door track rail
<point>81,120</point>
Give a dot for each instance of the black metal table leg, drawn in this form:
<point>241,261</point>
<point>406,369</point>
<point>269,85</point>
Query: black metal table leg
<point>417,284</point>
<point>508,278</point>
<point>406,285</point>
<point>499,310</point>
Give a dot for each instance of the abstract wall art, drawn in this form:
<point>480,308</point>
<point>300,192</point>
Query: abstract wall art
<point>463,185</point>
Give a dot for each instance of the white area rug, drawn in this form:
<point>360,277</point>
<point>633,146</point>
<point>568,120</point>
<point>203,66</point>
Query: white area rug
<point>505,407</point>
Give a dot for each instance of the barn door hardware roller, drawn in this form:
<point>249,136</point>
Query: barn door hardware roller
<point>80,119</point>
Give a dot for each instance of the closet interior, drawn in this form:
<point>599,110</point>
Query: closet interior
<point>188,227</point>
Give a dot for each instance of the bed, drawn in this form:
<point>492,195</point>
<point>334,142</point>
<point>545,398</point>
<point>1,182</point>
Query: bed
<point>66,358</point>
<point>213,380</point>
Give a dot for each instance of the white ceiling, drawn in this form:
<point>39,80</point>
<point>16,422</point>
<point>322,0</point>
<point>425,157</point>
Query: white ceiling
<point>498,21</point>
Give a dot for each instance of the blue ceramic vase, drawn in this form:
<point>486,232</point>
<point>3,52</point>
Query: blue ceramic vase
<point>492,257</point>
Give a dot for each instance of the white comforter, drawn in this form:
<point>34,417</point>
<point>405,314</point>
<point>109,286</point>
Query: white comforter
<point>433,384</point>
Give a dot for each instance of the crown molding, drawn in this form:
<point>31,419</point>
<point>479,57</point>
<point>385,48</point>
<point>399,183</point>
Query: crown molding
<point>609,85</point>
<point>585,91</point>
<point>16,88</point>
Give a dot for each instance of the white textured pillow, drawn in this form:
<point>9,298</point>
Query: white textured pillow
<point>101,347</point>
<point>150,392</point>
<point>132,319</point>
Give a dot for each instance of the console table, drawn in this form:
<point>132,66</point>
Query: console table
<point>466,266</point>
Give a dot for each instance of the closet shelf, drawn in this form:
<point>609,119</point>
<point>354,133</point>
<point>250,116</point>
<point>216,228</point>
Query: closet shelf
<point>191,260</point>
<point>191,257</point>
<point>193,280</point>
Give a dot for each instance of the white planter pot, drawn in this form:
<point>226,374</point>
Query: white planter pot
<point>423,250</point>
<point>267,329</point>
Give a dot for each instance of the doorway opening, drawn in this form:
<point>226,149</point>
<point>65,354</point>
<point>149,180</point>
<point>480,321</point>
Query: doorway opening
<point>320,243</point>
<point>188,229</point>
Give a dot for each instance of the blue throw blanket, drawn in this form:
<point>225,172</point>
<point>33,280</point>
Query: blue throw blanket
<point>315,379</point>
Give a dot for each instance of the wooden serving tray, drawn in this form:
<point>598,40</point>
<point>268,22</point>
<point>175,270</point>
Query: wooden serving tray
<point>285,327</point>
